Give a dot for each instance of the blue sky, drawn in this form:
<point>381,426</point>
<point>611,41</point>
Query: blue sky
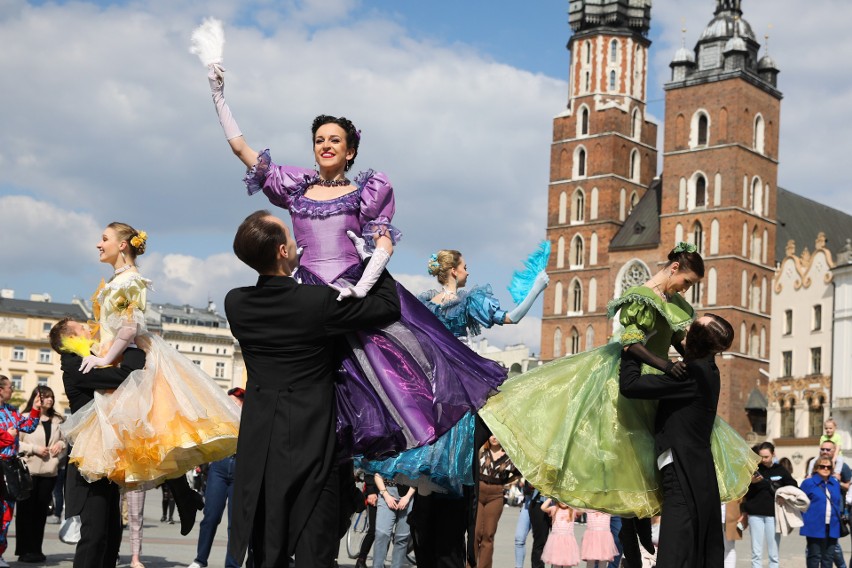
<point>108,117</point>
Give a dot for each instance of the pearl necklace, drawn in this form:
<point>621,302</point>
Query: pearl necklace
<point>122,269</point>
<point>331,182</point>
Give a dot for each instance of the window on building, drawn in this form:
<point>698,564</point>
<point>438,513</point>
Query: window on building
<point>612,80</point>
<point>636,274</point>
<point>42,381</point>
<point>700,191</point>
<point>578,207</point>
<point>636,126</point>
<point>45,327</point>
<point>759,129</point>
<point>817,318</point>
<point>19,353</point>
<point>696,293</point>
<point>577,297</point>
<point>816,417</point>
<point>17,382</point>
<point>584,120</point>
<point>703,123</point>
<point>698,237</point>
<point>44,355</point>
<point>588,81</point>
<point>788,322</point>
<point>613,50</point>
<point>788,418</point>
<point>220,370</point>
<point>577,251</point>
<point>575,341</point>
<point>557,343</point>
<point>787,364</point>
<point>634,165</point>
<point>816,360</point>
<point>581,162</point>
<point>197,362</point>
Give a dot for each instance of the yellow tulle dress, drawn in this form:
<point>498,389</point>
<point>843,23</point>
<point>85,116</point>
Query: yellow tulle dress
<point>576,439</point>
<point>162,420</point>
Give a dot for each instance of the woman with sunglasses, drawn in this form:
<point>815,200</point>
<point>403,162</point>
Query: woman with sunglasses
<point>759,505</point>
<point>822,519</point>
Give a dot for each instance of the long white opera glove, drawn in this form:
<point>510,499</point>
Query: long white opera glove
<point>216,78</point>
<point>371,275</point>
<point>541,281</point>
<point>360,245</point>
<point>124,337</point>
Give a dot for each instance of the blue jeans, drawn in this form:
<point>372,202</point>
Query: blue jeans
<point>615,528</point>
<point>522,529</point>
<point>763,530</point>
<point>838,556</point>
<point>220,487</point>
<point>820,552</point>
<point>385,521</point>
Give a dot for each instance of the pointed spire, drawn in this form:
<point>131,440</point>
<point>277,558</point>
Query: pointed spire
<point>733,6</point>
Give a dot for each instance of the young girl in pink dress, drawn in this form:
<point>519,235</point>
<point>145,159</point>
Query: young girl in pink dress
<point>598,545</point>
<point>561,548</point>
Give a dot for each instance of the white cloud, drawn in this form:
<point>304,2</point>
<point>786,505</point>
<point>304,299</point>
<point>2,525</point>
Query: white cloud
<point>185,279</point>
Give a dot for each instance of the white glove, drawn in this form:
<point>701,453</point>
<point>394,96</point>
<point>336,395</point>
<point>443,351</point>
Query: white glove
<point>540,283</point>
<point>216,78</point>
<point>371,275</point>
<point>124,337</point>
<point>360,245</point>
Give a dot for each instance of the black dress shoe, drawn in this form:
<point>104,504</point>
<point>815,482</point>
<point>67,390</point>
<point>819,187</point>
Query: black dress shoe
<point>360,563</point>
<point>32,557</point>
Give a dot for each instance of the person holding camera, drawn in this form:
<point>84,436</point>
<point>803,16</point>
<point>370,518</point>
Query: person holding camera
<point>759,505</point>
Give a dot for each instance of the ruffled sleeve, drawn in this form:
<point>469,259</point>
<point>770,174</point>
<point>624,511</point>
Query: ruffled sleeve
<point>484,308</point>
<point>125,303</point>
<point>637,319</point>
<point>377,208</point>
<point>280,183</point>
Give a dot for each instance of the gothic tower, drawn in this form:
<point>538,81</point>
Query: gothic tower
<point>720,186</point>
<point>603,159</point>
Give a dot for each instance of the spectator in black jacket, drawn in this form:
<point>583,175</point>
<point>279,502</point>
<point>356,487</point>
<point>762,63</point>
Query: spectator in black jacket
<point>759,504</point>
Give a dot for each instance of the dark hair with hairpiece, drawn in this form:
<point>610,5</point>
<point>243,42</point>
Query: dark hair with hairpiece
<point>714,337</point>
<point>257,241</point>
<point>126,233</point>
<point>353,136</point>
<point>687,260</point>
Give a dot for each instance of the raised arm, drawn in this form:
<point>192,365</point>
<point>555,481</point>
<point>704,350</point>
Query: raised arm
<point>239,146</point>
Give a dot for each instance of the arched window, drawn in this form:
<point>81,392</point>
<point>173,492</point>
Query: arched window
<point>590,337</point>
<point>702,130</point>
<point>563,207</point>
<point>612,80</point>
<point>613,51</point>
<point>636,126</point>
<point>635,273</point>
<point>584,121</point>
<point>593,206</point>
<point>634,199</point>
<point>593,249</point>
<point>699,129</point>
<point>575,341</point>
<point>759,133</point>
<point>577,297</point>
<point>754,295</point>
<point>757,195</point>
<point>557,299</point>
<point>701,191</point>
<point>578,206</point>
<point>788,418</point>
<point>560,253</point>
<point>576,258</point>
<point>678,233</point>
<point>588,81</point>
<point>557,343</point>
<point>756,247</point>
<point>698,237</point>
<point>714,236</point>
<point>743,338</point>
<point>634,165</point>
<point>579,162</point>
<point>711,287</point>
<point>753,342</point>
<point>717,190</point>
<point>587,46</point>
<point>816,415</point>
<point>593,294</point>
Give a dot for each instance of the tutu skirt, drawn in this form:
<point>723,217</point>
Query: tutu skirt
<point>561,547</point>
<point>598,542</point>
<point>575,438</point>
<point>160,422</point>
<point>403,385</point>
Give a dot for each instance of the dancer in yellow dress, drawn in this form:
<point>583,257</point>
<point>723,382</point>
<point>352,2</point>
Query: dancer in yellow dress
<point>576,439</point>
<point>163,419</point>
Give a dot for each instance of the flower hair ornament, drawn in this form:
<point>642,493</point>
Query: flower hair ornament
<point>433,265</point>
<point>139,239</point>
<point>684,247</point>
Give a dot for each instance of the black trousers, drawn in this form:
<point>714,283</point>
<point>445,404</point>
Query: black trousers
<point>540,525</point>
<point>370,537</point>
<point>31,516</point>
<point>100,533</point>
<point>438,523</point>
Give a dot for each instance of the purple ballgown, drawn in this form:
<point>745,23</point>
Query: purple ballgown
<point>400,386</point>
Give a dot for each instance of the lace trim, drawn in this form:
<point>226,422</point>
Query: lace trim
<point>677,325</point>
<point>119,284</point>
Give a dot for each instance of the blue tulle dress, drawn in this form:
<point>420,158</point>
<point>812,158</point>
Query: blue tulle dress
<point>445,465</point>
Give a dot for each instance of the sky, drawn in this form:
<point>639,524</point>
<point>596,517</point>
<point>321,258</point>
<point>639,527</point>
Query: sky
<point>107,116</point>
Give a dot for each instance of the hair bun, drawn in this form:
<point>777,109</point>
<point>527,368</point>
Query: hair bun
<point>433,267</point>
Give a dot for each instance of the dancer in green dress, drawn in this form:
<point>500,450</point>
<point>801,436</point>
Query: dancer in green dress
<point>576,439</point>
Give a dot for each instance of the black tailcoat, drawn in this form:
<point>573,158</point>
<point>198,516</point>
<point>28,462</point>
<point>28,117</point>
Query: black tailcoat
<point>285,500</point>
<point>691,529</point>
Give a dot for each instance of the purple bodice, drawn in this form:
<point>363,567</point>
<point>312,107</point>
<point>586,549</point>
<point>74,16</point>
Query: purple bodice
<point>320,226</point>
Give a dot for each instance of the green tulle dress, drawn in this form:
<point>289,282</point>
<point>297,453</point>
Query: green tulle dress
<point>576,439</point>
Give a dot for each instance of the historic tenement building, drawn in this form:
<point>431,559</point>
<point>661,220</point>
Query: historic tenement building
<point>612,220</point>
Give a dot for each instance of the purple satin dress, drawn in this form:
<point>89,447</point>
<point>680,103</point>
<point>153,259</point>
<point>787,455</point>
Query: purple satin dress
<point>400,386</point>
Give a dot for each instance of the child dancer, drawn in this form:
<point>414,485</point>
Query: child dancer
<point>598,545</point>
<point>561,548</point>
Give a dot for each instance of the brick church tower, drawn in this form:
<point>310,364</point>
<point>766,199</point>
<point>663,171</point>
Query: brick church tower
<point>603,158</point>
<point>612,222</point>
<point>719,188</point>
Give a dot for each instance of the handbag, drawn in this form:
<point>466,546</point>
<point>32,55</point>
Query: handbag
<point>69,532</point>
<point>18,480</point>
<point>844,524</point>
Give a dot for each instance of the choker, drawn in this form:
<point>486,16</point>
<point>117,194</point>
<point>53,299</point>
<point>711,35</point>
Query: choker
<point>122,269</point>
<point>331,182</point>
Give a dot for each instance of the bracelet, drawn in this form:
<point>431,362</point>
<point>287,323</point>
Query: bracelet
<point>383,491</point>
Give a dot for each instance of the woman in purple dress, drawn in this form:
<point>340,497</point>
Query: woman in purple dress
<point>403,385</point>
